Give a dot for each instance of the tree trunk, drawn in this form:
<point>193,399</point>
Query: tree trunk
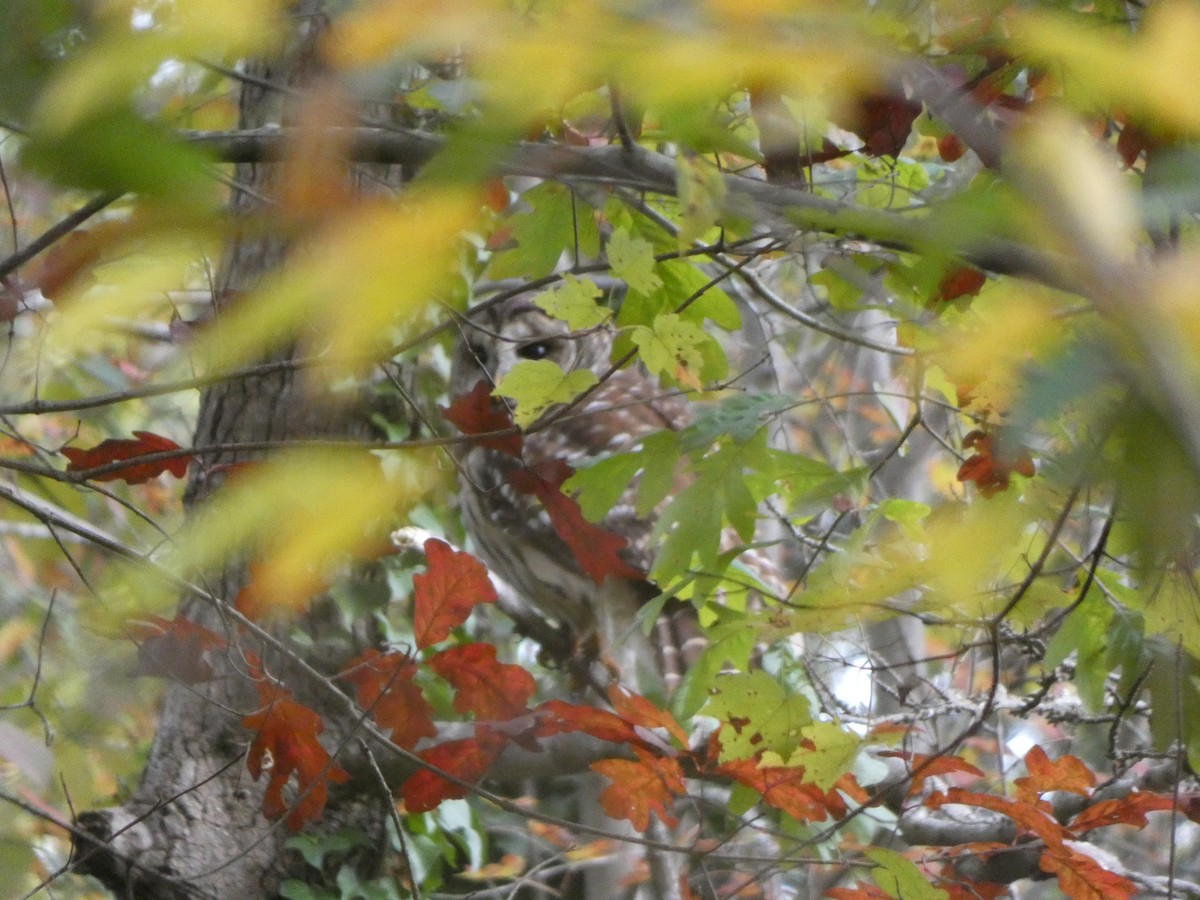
<point>194,827</point>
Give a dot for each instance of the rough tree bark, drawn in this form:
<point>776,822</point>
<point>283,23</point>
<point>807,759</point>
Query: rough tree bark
<point>194,826</point>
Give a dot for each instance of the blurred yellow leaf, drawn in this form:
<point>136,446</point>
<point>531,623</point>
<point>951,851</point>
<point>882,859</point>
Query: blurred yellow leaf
<point>1152,75</point>
<point>1079,186</point>
<point>298,515</point>
<point>375,269</point>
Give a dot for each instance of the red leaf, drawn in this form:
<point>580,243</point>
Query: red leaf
<point>446,594</point>
<point>1025,814</point>
<point>1068,773</point>
<point>990,473</point>
<point>491,690</point>
<point>384,685</point>
<point>174,648</point>
<point>287,742</point>
<point>116,450</point>
<point>468,759</point>
<point>1128,810</point>
<point>594,548</point>
<point>647,785</point>
<point>884,122</point>
<point>951,147</point>
<point>965,281</point>
<point>637,710</point>
<point>558,717</point>
<point>478,413</point>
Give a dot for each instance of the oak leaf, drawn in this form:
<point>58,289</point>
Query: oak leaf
<point>445,595</point>
<point>990,473</point>
<point>558,717</point>
<point>174,648</point>
<point>595,548</point>
<point>640,787</point>
<point>1128,810</point>
<point>639,711</point>
<point>115,450</point>
<point>1082,878</point>
<point>1067,773</point>
<point>490,689</point>
<point>923,766</point>
<point>384,686</point>
<point>286,742</point>
<point>467,759</point>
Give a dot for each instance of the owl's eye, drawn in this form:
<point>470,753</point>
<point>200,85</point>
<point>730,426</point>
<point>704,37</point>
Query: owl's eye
<point>536,350</point>
<point>479,353</point>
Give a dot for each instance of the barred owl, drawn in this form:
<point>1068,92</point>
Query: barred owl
<point>511,531</point>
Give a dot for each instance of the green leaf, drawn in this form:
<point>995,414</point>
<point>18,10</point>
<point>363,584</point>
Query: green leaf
<point>908,514</point>
<point>900,877</point>
<point>833,754</point>
<point>672,349</point>
<point>701,190</point>
<point>536,385</point>
<point>739,416</point>
<point>632,260</point>
<point>756,714</point>
<point>601,484</point>
<point>558,222</point>
<point>574,302</point>
<point>729,645</point>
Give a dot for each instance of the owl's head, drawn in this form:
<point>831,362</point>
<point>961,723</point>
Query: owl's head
<point>494,339</point>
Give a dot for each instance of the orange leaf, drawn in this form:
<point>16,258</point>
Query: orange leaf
<point>557,717</point>
<point>1068,773</point>
<point>446,594</point>
<point>1025,814</point>
<point>637,710</point>
<point>383,684</point>
<point>1082,878</point>
<point>991,474</point>
<point>594,548</point>
<point>468,760</point>
<point>479,413</point>
<point>647,785</point>
<point>1128,810</point>
<point>784,788</point>
<point>174,648</point>
<point>491,690</point>
<point>923,766</point>
<point>861,891</point>
<point>117,450</point>
<point>286,742</point>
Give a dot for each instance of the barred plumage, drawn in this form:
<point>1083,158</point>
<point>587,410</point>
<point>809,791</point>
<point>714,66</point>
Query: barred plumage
<point>512,533</point>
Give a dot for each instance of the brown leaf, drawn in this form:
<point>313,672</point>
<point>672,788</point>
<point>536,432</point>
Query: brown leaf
<point>174,648</point>
<point>445,595</point>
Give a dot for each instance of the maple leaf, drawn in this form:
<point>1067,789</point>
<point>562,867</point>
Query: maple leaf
<point>445,595</point>
<point>641,787</point>
<point>384,685</point>
<point>485,687</point>
<point>286,742</point>
<point>595,548</point>
<point>478,413</point>
<point>1128,810</point>
<point>1068,773</point>
<point>174,648</point>
<point>558,717</point>
<point>991,474</point>
<point>467,759</point>
<point>119,449</point>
